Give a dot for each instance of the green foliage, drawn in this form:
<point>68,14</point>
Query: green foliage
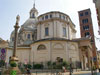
<point>13,64</point>
<point>2,63</point>
<point>64,63</point>
<point>38,66</point>
<point>23,70</point>
<point>29,66</point>
<point>49,63</point>
<point>58,65</point>
<point>25,65</point>
<point>94,68</point>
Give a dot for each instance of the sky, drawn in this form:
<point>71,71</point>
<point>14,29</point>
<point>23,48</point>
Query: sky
<point>9,9</point>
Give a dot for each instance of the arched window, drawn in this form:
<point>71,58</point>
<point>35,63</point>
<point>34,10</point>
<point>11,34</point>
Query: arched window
<point>28,36</point>
<point>33,16</point>
<point>41,47</point>
<point>58,46</point>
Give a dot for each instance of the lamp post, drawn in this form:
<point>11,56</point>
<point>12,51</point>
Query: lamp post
<point>70,66</point>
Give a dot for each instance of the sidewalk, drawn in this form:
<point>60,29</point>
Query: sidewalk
<point>78,72</point>
<point>67,73</point>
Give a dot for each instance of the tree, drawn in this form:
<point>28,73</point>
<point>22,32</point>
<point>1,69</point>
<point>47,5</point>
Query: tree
<point>2,63</point>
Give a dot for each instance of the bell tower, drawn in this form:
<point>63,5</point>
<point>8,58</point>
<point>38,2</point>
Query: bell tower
<point>33,12</point>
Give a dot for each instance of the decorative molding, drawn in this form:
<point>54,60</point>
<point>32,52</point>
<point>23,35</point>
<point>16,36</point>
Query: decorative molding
<point>58,46</point>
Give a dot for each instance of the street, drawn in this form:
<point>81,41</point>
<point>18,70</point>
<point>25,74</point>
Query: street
<point>87,74</point>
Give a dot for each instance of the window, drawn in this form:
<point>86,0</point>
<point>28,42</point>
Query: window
<point>60,16</point>
<point>50,16</point>
<point>85,21</point>
<point>46,31</point>
<point>86,13</point>
<point>81,14</point>
<point>42,18</point>
<point>33,16</point>
<point>46,17</point>
<point>86,27</point>
<point>87,34</point>
<point>64,31</point>
<point>28,36</point>
<point>64,17</point>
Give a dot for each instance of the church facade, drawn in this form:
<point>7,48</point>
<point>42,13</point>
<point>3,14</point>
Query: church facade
<point>47,37</point>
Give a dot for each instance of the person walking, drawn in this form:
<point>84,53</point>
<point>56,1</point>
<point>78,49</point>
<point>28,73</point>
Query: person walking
<point>28,71</point>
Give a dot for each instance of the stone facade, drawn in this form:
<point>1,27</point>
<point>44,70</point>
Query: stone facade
<point>47,37</point>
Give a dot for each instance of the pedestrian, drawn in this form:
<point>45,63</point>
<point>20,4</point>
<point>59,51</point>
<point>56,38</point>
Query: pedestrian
<point>28,71</point>
<point>64,69</point>
<point>99,68</point>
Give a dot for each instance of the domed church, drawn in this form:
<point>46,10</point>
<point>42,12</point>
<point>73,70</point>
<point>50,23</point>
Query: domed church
<point>49,36</point>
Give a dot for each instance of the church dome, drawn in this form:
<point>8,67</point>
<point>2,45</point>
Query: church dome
<point>12,34</point>
<point>0,39</point>
<point>33,10</point>
<point>29,25</point>
<point>12,38</point>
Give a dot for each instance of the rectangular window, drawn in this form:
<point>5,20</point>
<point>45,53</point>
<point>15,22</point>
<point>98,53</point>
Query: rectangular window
<point>60,16</point>
<point>46,31</point>
<point>64,17</point>
<point>28,36</point>
<point>81,14</point>
<point>42,18</point>
<point>50,16</point>
<point>85,21</point>
<point>87,34</point>
<point>86,13</point>
<point>86,27</point>
<point>64,31</point>
<point>46,17</point>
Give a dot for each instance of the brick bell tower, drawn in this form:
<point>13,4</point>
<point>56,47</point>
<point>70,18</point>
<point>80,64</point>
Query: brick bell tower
<point>86,28</point>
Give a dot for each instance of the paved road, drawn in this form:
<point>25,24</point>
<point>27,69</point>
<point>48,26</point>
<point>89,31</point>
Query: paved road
<point>87,74</point>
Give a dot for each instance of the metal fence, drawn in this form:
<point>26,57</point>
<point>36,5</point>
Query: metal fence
<point>46,72</point>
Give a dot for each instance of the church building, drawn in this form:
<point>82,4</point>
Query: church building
<point>49,36</point>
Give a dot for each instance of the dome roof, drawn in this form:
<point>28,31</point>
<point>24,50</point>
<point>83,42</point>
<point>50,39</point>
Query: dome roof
<point>29,25</point>
<point>1,39</point>
<point>33,10</point>
<point>29,22</point>
<point>12,33</point>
